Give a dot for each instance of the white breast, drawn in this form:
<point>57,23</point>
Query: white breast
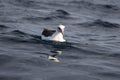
<point>55,37</point>
<point>58,37</point>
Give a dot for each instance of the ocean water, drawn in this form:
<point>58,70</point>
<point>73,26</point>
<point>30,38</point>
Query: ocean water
<point>92,50</point>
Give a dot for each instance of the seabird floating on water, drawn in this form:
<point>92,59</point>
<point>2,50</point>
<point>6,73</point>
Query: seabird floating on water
<point>54,35</point>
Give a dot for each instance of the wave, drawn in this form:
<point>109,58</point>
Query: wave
<point>18,32</point>
<point>100,23</point>
<point>4,59</point>
<point>3,27</point>
<point>57,14</point>
<point>15,35</point>
<point>90,49</point>
<point>34,4</point>
<point>106,24</point>
<point>61,12</point>
<point>116,55</point>
<point>109,74</point>
<point>89,5</point>
<point>20,36</point>
<point>23,3</point>
<point>7,77</point>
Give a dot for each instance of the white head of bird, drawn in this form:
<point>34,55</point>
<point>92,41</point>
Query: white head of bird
<point>61,28</point>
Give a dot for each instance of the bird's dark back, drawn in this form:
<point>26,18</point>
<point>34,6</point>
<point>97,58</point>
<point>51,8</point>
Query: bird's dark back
<point>47,32</point>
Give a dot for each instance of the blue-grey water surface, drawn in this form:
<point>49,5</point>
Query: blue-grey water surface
<point>92,50</point>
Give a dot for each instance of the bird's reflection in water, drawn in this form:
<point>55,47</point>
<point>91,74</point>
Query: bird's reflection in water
<point>55,54</point>
<point>58,50</point>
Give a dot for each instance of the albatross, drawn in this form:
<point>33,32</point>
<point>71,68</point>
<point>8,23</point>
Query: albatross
<point>54,35</point>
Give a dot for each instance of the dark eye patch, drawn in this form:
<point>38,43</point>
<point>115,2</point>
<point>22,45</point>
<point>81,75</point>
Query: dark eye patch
<point>59,28</point>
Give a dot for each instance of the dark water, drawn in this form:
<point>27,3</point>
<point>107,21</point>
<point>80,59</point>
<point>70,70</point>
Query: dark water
<point>92,51</point>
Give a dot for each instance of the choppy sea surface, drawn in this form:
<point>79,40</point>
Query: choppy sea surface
<point>92,50</point>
